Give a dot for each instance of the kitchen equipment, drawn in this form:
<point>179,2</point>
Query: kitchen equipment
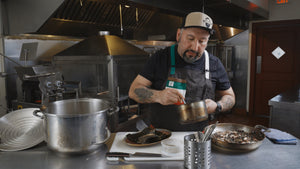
<point>119,145</point>
<point>236,147</point>
<point>137,154</point>
<point>193,112</point>
<point>103,63</point>
<point>76,126</point>
<point>196,154</point>
<point>20,130</point>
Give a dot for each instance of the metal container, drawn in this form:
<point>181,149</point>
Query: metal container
<point>197,155</point>
<point>76,126</point>
<point>192,113</point>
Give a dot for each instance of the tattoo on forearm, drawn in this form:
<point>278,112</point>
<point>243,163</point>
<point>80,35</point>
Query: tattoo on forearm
<point>227,104</point>
<point>143,94</point>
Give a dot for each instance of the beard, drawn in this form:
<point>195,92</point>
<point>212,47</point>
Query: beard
<point>190,58</point>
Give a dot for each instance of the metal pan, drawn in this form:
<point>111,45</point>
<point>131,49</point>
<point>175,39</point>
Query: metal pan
<point>238,147</point>
<point>193,112</point>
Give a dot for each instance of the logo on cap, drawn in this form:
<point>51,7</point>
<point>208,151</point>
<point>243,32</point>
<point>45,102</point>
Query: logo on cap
<point>208,23</point>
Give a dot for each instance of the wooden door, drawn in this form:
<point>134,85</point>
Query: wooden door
<point>270,75</point>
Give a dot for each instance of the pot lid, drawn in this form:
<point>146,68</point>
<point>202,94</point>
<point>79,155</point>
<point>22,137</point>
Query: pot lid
<point>20,130</point>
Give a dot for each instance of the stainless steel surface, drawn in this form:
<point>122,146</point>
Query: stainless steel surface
<point>269,155</point>
<point>102,63</point>
<point>76,126</point>
<point>285,111</point>
<point>239,71</point>
<point>99,47</point>
<point>48,45</point>
<point>193,112</point>
<point>36,76</point>
<point>20,130</point>
<point>105,15</point>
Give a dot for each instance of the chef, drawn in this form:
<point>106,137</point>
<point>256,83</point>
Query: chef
<point>183,72</point>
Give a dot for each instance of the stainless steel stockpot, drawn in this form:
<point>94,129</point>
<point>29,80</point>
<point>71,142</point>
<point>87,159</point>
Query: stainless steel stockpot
<point>75,126</point>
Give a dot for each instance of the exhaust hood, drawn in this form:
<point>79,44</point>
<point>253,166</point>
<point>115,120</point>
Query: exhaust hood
<point>130,18</point>
<point>101,46</point>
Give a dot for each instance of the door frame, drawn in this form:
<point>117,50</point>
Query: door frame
<point>254,30</point>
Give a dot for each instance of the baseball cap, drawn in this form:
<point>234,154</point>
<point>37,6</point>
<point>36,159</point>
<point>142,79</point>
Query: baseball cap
<point>199,19</point>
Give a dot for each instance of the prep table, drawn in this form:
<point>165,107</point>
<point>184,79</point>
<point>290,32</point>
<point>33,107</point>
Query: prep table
<point>285,111</point>
<point>268,155</point>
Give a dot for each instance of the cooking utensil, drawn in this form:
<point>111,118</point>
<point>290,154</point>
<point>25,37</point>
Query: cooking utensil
<point>136,154</point>
<point>76,126</point>
<point>20,130</point>
<point>197,136</point>
<point>235,147</point>
<point>201,135</point>
<point>193,112</point>
<point>208,132</point>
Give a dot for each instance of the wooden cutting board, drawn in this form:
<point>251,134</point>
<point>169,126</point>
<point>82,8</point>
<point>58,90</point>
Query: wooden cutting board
<point>119,145</point>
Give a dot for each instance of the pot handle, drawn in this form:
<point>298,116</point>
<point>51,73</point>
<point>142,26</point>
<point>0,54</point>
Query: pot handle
<point>107,136</point>
<point>112,110</point>
<point>37,112</point>
<point>266,129</point>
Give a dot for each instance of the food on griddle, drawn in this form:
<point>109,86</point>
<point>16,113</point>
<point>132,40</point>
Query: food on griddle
<point>148,135</point>
<point>235,137</point>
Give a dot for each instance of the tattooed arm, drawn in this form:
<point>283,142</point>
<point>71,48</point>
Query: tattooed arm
<point>141,93</point>
<point>227,101</point>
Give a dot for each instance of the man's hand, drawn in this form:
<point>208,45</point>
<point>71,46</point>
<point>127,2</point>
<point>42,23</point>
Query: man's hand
<point>141,93</point>
<point>210,105</point>
<point>169,96</point>
<point>227,101</point>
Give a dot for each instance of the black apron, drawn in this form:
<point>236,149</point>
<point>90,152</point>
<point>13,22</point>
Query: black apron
<point>198,87</point>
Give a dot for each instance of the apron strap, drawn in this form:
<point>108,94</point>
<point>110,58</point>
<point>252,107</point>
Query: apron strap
<point>172,60</point>
<point>206,65</point>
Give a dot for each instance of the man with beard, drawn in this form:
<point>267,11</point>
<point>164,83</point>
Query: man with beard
<point>183,72</point>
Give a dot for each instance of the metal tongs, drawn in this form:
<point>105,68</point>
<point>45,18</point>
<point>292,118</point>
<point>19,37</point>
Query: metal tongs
<point>200,137</point>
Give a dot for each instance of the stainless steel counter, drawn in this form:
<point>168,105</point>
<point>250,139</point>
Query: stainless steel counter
<point>268,155</point>
<point>285,111</point>
<point>289,96</point>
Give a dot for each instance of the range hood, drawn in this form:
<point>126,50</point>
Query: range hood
<point>101,46</point>
<point>130,18</point>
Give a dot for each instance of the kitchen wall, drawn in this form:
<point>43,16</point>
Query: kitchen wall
<point>27,16</point>
<point>284,11</point>
<point>2,80</point>
<point>262,3</point>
